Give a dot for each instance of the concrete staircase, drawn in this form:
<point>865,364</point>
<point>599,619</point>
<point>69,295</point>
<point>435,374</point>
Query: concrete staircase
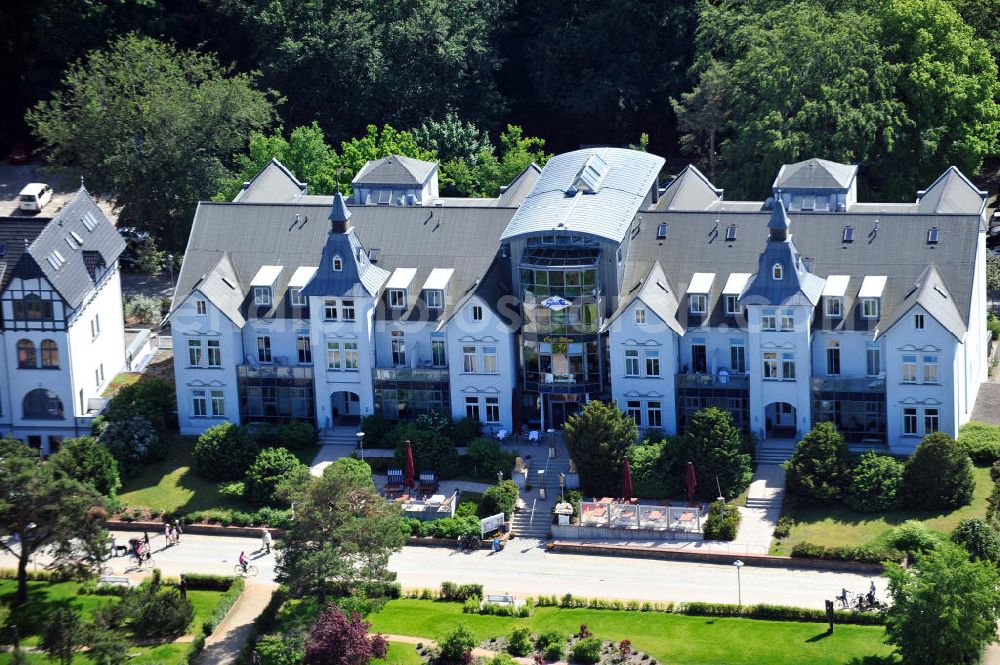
<point>536,520</point>
<point>338,436</point>
<point>774,451</point>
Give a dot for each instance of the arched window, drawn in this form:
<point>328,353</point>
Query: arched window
<point>338,263</point>
<point>26,354</point>
<point>42,404</point>
<point>776,271</point>
<point>50,354</point>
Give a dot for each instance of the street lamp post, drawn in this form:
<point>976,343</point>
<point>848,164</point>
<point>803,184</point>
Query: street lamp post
<point>562,487</point>
<point>361,444</point>
<point>499,477</point>
<point>739,589</point>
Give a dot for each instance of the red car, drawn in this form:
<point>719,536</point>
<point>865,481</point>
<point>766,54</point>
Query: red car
<point>19,154</point>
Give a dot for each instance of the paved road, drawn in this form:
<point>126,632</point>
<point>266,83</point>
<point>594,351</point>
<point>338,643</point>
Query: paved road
<point>525,568</point>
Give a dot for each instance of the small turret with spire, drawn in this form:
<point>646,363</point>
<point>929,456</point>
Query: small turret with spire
<point>779,223</point>
<point>340,216</point>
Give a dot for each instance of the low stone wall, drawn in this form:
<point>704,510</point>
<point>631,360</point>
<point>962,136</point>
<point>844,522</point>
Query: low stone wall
<point>604,533</point>
<point>156,528</point>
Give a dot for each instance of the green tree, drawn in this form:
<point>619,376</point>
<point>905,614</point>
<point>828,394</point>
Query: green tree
<point>993,272</point>
<point>378,143</point>
<point>452,139</point>
<point>342,535</point>
<point>875,483</point>
<point>88,460</point>
<point>153,399</point>
<point>153,126</point>
<point>657,468</point>
<point>273,468</point>
<point>703,116</point>
<point>485,178</point>
<point>820,466</point>
<point>945,608</point>
<point>499,498</point>
<point>224,452</point>
<point>598,439</point>
<point>939,475</point>
<point>43,508</point>
<point>979,537</point>
<point>63,634</point>
<point>432,451</point>
<point>715,447</point>
<point>457,646</point>
<point>133,442</point>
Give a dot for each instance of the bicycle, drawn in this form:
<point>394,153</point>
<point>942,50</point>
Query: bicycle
<point>141,560</point>
<point>251,570</point>
<point>467,544</point>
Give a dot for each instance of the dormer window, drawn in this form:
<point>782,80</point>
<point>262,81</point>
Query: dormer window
<point>833,307</point>
<point>397,298</point>
<point>698,303</point>
<point>777,272</point>
<point>434,298</point>
<point>298,300</point>
<point>869,308</point>
<point>262,296</point>
<point>338,263</point>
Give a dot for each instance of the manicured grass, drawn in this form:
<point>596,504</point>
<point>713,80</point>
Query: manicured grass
<point>161,654</point>
<point>839,525</point>
<point>401,654</point>
<point>172,486</point>
<point>670,638</point>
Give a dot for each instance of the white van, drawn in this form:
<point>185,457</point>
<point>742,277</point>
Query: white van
<point>34,196</point>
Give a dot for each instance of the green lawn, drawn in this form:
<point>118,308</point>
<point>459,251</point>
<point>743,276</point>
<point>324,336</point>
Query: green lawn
<point>670,638</point>
<point>401,654</point>
<point>44,597</point>
<point>839,525</point>
<point>171,485</point>
<point>161,654</point>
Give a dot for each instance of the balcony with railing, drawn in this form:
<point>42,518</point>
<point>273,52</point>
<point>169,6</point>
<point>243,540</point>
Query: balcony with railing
<point>722,379</point>
<point>275,371</point>
<point>417,374</point>
<point>849,384</point>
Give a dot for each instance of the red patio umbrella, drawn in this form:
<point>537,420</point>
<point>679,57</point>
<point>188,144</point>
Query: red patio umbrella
<point>691,481</point>
<point>626,481</point>
<point>408,467</point>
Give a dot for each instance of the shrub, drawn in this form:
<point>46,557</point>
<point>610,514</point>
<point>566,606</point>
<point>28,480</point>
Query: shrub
<point>499,499</point>
<point>273,467</point>
<point>297,434</point>
<point>913,536</point>
<point>143,309</point>
<point>205,582</point>
<point>778,613</point>
<point>460,592</point>
<point>548,638</point>
<point>432,451</point>
<point>133,442</point>
<point>467,509</point>
<point>587,650</point>
<point>465,431</point>
<point>995,472</point>
<point>158,612</point>
<point>870,553</point>
<point>818,470</point>
<point>783,528</point>
<point>153,399</point>
<point>224,452</point>
<point>489,458</point>
<point>452,527</point>
<point>88,460</point>
<point>981,441</point>
<point>233,490</point>
<point>376,428</point>
<point>280,650</point>
<point>457,645</point>
<point>875,483</point>
<point>722,523</point>
<point>939,475</point>
<point>715,446</point>
<point>338,639</point>
<point>979,537</point>
<point>656,468</point>
<point>554,651</point>
<point>223,605</point>
<point>519,642</point>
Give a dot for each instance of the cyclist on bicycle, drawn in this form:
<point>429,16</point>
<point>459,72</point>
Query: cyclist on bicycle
<point>244,562</point>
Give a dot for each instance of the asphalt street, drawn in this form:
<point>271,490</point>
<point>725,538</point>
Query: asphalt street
<point>524,568</point>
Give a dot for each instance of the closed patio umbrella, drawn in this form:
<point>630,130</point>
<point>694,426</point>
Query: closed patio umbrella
<point>691,482</point>
<point>408,467</point>
<point>626,481</point>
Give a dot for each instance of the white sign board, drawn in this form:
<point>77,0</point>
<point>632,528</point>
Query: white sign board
<point>555,303</point>
<point>491,523</point>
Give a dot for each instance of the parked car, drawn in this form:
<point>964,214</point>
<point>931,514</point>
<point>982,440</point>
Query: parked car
<point>34,196</point>
<point>134,238</point>
<point>19,154</point>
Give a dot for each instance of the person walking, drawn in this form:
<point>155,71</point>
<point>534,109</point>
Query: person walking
<point>114,545</point>
<point>167,534</point>
<point>265,538</point>
<point>145,538</point>
<point>177,532</point>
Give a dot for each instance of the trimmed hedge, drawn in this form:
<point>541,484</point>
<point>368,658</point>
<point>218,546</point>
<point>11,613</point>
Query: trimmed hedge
<point>981,442</point>
<point>460,592</point>
<point>722,523</point>
<point>204,582</point>
<point>779,613</point>
<point>223,605</point>
<point>870,553</point>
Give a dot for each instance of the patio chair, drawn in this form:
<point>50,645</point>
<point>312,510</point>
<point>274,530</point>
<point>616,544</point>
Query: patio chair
<point>428,482</point>
<point>394,481</point>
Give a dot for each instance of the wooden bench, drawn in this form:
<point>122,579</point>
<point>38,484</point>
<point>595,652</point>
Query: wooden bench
<point>499,599</point>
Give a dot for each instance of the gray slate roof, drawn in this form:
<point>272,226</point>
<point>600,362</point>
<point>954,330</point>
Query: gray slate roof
<point>273,184</point>
<point>952,192</point>
<point>690,190</point>
<point>395,170</point>
<point>552,205</point>
<point>221,287</point>
<point>931,293</point>
<point>797,285</point>
<point>73,280</point>
<point>815,174</point>
<point>357,277</point>
<point>519,187</point>
<point>16,233</point>
<point>657,294</point>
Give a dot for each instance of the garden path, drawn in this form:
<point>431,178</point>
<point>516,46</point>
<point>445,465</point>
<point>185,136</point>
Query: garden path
<point>763,507</point>
<point>224,644</point>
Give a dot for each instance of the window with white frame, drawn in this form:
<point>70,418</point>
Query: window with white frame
<point>213,347</point>
<point>777,272</point>
<point>833,358</point>
<point>200,306</point>
<point>262,296</point>
<point>199,404</point>
<point>472,408</point>
<point>640,316</point>
<point>397,298</point>
<point>918,321</point>
<point>338,263</point>
<point>633,409</point>
<point>698,303</point>
<point>439,356</point>
<point>631,362</point>
<point>737,356</point>
<point>398,347</point>
<point>347,310</point>
<point>788,319</point>
<point>330,310</point>
<point>493,410</point>
<point>869,308</point>
<point>264,348</point>
<point>469,359</point>
<point>297,299</point>
<point>194,353</point>
<point>833,307</point>
<point>931,421</point>
<point>732,305</point>
<point>334,358</point>
<point>489,360</point>
<point>788,366</point>
<point>217,400</point>
<point>652,360</point>
<point>654,414</point>
<point>769,319</point>
<point>909,369</point>
<point>351,356</point>
<point>873,359</point>
<point>434,298</point>
<point>930,369</point>
<point>477,313</point>
<point>910,421</point>
<point>771,366</point>
<point>303,348</point>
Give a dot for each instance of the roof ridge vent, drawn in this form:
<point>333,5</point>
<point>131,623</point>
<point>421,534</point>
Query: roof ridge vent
<point>590,177</point>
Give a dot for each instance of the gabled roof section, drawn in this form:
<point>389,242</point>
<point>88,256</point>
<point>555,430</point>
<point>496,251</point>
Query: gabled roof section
<point>494,289</point>
<point>81,216</point>
<point>554,204</point>
<point>395,170</point>
<point>656,293</point>
<point>514,194</point>
<point>222,288</point>
<point>797,285</point>
<point>952,192</point>
<point>931,293</point>
<point>690,190</point>
<point>273,184</point>
<point>357,277</point>
<point>16,234</point>
<point>815,174</point>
